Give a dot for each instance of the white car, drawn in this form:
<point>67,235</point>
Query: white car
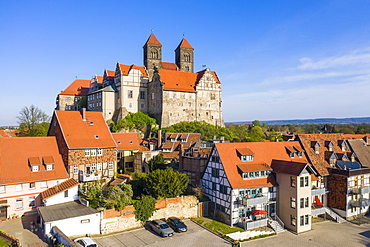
<point>85,242</point>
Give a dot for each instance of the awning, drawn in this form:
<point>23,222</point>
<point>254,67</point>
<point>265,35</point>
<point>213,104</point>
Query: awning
<point>259,212</point>
<point>317,202</point>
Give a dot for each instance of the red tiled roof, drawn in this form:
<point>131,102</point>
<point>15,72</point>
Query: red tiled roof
<point>78,87</point>
<point>126,141</point>
<point>34,161</point>
<point>171,66</point>
<point>152,40</point>
<point>264,153</point>
<point>319,161</point>
<point>100,79</point>
<point>92,133</point>
<point>288,167</point>
<point>185,44</point>
<point>48,159</point>
<point>111,73</point>
<point>125,69</point>
<point>57,189</point>
<point>178,80</point>
<point>253,167</point>
<point>14,159</point>
<point>244,151</point>
<point>4,133</point>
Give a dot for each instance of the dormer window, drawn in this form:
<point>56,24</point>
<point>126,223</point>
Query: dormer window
<point>48,162</point>
<point>50,167</point>
<point>35,168</point>
<point>35,163</point>
<point>245,175</point>
<point>300,154</point>
<point>330,146</point>
<point>291,155</point>
<point>246,158</point>
<point>245,154</point>
<point>317,148</point>
<point>173,139</point>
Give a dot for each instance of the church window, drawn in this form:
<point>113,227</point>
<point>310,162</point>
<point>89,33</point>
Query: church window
<point>187,57</point>
<point>154,54</point>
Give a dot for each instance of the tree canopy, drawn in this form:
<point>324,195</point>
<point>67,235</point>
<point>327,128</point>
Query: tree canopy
<point>33,121</point>
<point>134,121</point>
<point>144,208</point>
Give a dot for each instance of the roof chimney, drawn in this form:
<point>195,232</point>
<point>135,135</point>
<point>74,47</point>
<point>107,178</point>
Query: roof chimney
<point>83,113</point>
<point>159,141</point>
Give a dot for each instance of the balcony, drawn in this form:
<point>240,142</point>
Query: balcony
<point>254,201</point>
<point>89,177</point>
<point>360,203</point>
<point>317,211</point>
<point>249,225</point>
<point>318,191</point>
<point>359,190</point>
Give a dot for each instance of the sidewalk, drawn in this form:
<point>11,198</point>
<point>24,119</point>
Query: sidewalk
<point>21,229</point>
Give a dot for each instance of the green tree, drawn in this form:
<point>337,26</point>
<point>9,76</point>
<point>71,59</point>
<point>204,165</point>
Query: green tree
<point>138,121</point>
<point>93,193</point>
<point>256,134</point>
<point>256,123</point>
<point>138,184</point>
<point>166,183</point>
<point>144,208</point>
<point>33,121</point>
<point>119,196</point>
<point>157,162</point>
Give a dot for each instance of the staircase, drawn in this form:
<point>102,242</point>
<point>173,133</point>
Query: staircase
<point>334,215</point>
<point>276,224</point>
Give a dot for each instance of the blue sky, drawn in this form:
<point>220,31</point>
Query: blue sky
<point>275,59</point>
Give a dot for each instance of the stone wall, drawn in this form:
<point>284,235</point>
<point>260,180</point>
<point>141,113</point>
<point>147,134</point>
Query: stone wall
<point>116,221</point>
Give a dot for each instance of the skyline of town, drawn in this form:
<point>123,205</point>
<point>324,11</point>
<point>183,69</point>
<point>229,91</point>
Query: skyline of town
<point>275,61</point>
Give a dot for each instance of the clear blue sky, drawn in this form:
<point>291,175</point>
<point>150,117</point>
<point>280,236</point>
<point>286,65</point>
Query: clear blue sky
<point>275,59</point>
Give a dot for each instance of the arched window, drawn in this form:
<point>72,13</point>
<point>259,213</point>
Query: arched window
<point>187,57</point>
<point>154,54</point>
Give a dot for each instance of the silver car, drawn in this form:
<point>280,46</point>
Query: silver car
<point>160,227</point>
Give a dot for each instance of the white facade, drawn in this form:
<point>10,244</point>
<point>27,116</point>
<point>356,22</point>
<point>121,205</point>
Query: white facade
<point>65,196</point>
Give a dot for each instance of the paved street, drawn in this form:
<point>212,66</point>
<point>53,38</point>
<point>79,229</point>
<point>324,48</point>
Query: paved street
<point>196,236</point>
<point>326,233</point>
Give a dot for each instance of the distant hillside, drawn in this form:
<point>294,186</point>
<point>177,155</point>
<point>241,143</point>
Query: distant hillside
<point>313,121</point>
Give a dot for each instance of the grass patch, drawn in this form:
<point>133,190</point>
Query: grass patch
<point>4,242</point>
<point>217,226</point>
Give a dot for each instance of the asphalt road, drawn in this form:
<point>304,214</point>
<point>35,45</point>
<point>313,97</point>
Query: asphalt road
<point>195,236</point>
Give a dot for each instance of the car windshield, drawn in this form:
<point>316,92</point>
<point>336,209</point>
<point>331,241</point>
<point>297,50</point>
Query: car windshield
<point>177,221</point>
<point>164,226</point>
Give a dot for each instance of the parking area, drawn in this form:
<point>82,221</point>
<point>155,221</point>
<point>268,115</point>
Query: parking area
<point>195,236</point>
<point>326,233</point>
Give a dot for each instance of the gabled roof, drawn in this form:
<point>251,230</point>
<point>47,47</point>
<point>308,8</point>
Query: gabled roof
<point>126,141</point>
<point>152,40</point>
<point>184,44</point>
<point>78,87</point>
<point>91,133</point>
<point>264,154</point>
<point>178,80</point>
<point>320,160</point>
<point>57,189</point>
<point>201,73</point>
<point>125,69</point>
<point>362,151</point>
<point>15,156</point>
<point>170,66</point>
<point>288,167</point>
<point>191,139</point>
<point>110,73</point>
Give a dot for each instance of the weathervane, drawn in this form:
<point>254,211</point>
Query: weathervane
<point>152,30</point>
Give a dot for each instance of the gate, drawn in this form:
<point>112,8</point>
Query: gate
<point>204,208</point>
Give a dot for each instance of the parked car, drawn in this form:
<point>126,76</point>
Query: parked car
<point>85,242</point>
<point>176,224</point>
<point>160,227</point>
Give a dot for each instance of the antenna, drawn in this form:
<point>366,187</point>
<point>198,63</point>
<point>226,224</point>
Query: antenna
<point>183,34</point>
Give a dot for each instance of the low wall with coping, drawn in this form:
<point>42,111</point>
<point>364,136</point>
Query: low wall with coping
<point>116,221</point>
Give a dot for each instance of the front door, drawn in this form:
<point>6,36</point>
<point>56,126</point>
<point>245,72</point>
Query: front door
<point>3,212</point>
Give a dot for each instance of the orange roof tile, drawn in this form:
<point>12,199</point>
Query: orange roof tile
<point>92,133</point>
<point>126,141</point>
<point>171,66</point>
<point>244,151</point>
<point>34,161</point>
<point>185,44</point>
<point>57,189</point>
<point>253,167</point>
<point>111,72</point>
<point>14,159</point>
<point>100,79</point>
<point>4,133</point>
<point>264,153</point>
<point>48,159</point>
<point>125,69</point>
<point>77,87</point>
<point>178,80</point>
<point>152,40</point>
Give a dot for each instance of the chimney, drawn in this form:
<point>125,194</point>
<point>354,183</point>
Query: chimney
<point>83,113</point>
<point>159,142</point>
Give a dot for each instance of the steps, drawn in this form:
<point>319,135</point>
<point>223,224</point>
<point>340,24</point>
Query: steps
<point>276,224</point>
<point>334,215</point>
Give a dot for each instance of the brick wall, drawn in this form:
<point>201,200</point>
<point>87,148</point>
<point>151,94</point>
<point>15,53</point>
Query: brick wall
<point>182,207</point>
<point>337,197</point>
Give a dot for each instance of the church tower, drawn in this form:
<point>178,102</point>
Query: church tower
<point>185,56</point>
<point>152,54</point>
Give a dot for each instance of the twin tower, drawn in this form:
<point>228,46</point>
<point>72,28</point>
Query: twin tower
<point>184,56</point>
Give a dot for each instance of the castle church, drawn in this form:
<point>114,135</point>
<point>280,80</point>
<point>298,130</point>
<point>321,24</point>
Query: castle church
<point>169,92</point>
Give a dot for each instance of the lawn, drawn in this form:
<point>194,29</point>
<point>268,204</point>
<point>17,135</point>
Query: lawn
<point>217,226</point>
<point>4,242</point>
